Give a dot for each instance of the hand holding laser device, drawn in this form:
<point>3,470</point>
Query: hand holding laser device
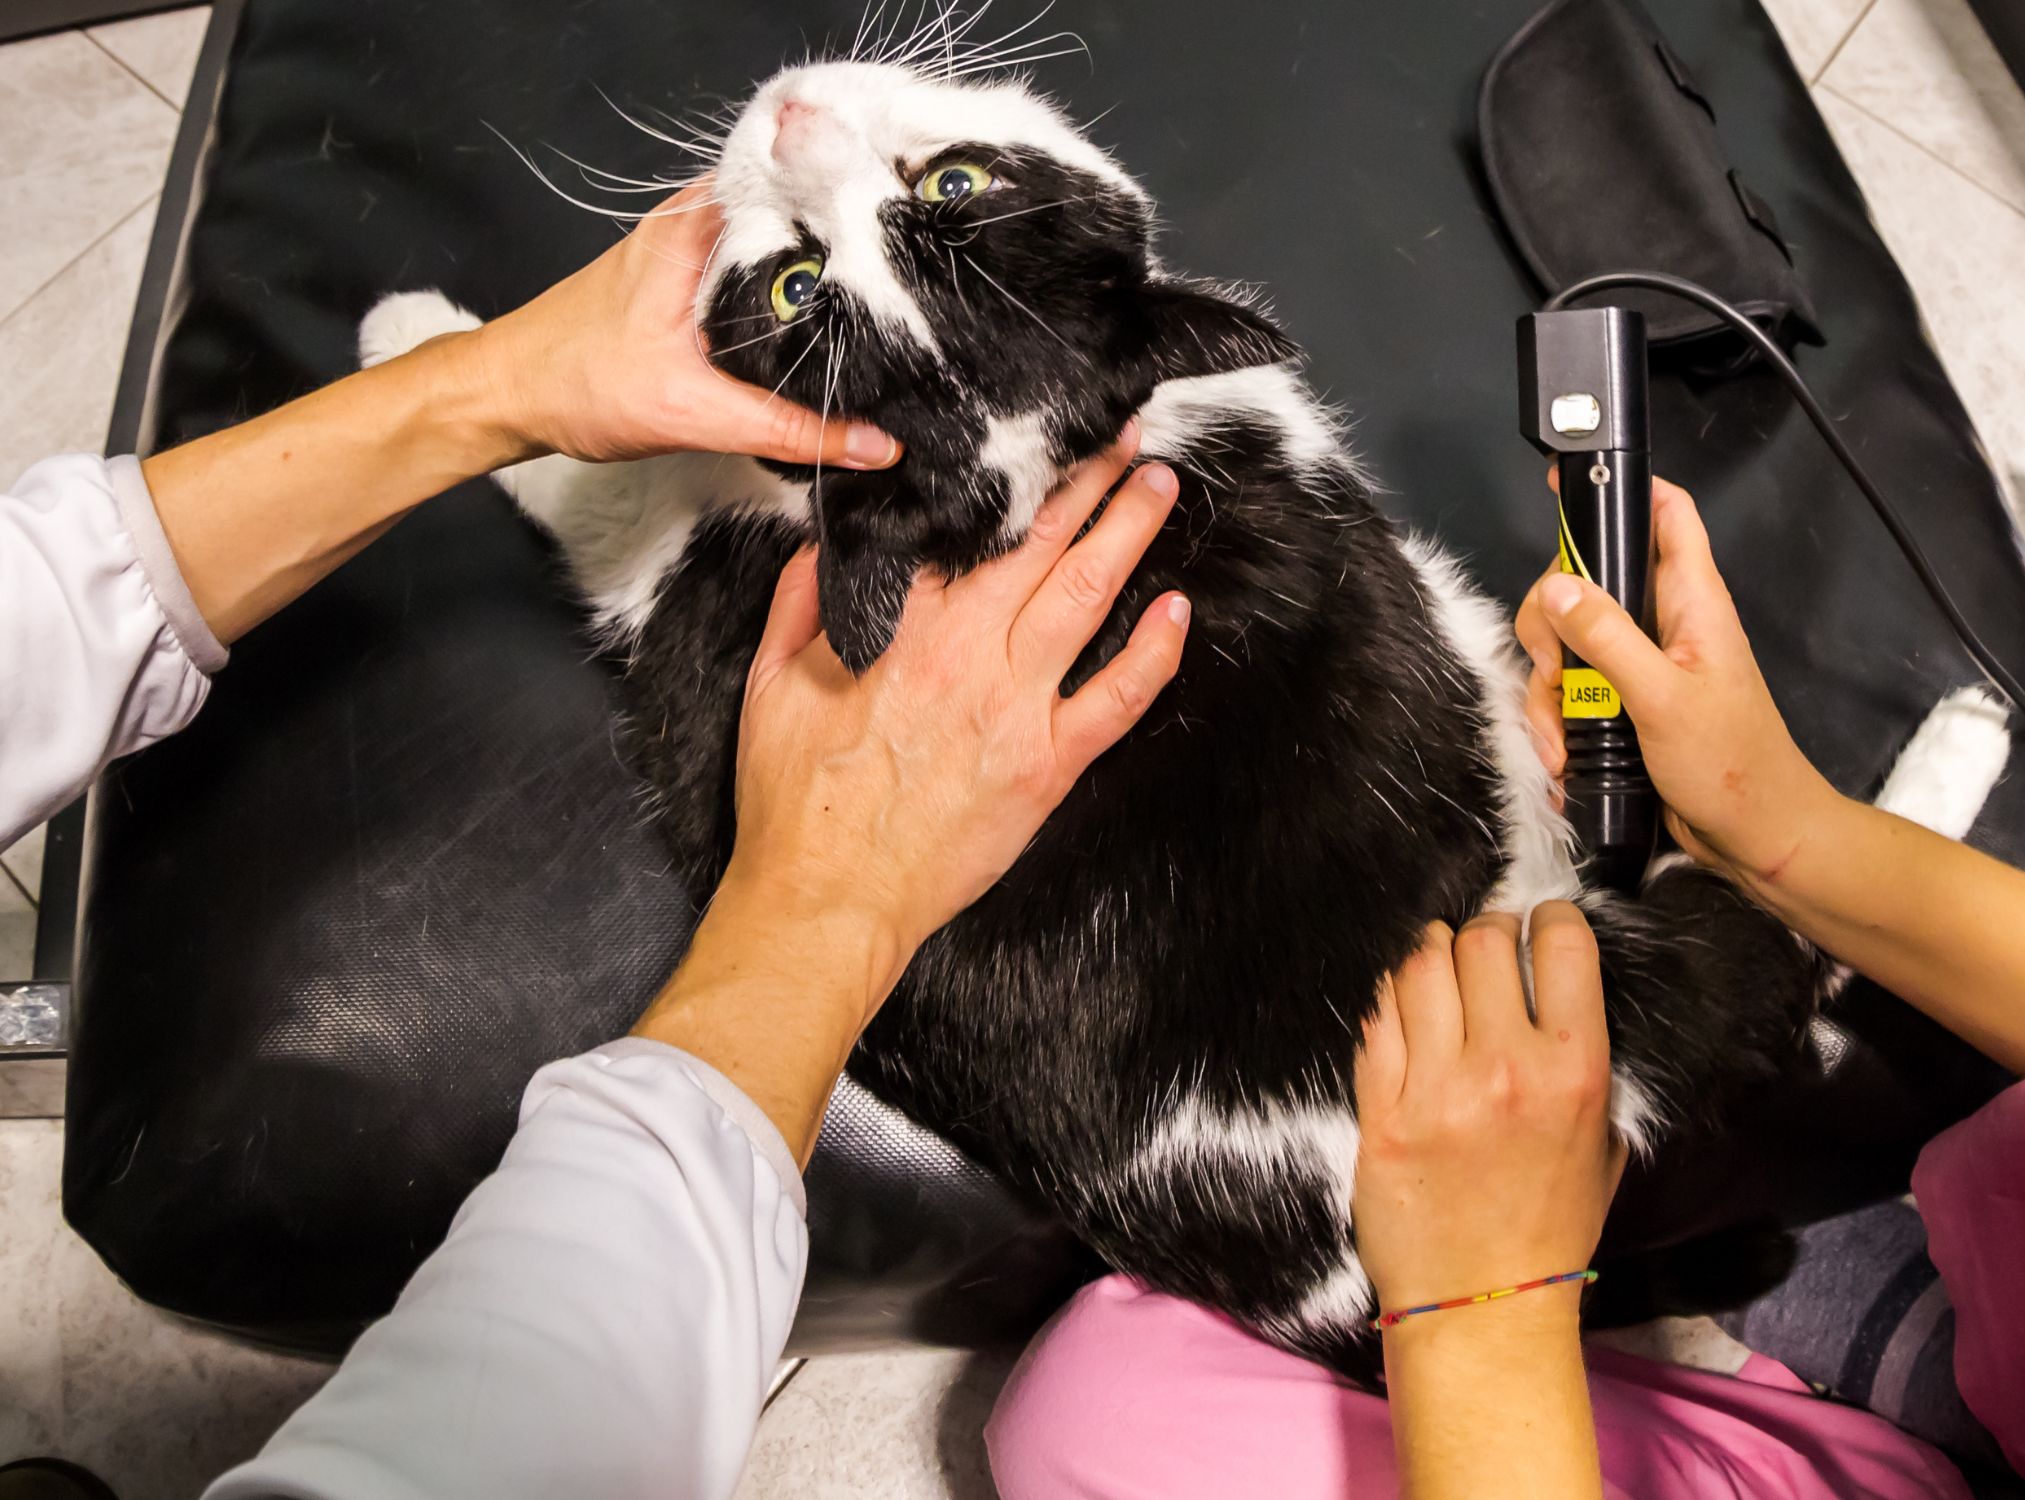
<point>1582,396</point>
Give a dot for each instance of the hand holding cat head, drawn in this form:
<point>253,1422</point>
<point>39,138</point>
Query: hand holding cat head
<point>611,364</point>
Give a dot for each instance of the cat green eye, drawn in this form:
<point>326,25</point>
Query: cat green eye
<point>952,183</point>
<point>793,288</point>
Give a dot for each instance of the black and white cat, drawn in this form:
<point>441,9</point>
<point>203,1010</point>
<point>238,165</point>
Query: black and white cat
<point>1152,1020</point>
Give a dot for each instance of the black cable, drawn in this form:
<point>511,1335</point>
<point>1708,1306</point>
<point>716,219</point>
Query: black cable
<point>1658,281</point>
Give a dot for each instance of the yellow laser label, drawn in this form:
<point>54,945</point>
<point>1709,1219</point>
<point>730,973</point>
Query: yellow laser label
<point>1587,694</point>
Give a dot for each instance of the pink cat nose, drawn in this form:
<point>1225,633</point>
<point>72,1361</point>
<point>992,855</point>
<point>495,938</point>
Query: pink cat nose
<point>794,124</point>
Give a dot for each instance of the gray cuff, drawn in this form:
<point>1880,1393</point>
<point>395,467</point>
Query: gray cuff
<point>137,514</point>
<point>767,1142</point>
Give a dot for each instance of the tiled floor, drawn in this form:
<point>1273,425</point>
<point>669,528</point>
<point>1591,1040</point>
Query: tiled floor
<point>1930,121</point>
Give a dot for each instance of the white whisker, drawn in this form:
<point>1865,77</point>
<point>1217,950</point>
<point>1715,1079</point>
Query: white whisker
<point>747,344</point>
<point>829,391</point>
<point>613,182</point>
<point>689,146</point>
<point>997,43</point>
<point>703,280</point>
<point>795,366</point>
<point>1024,308</point>
<point>956,281</point>
<point>1025,52</point>
<point>1022,212</point>
<point>546,181</point>
<point>999,64</point>
<point>868,20</point>
<point>703,142</point>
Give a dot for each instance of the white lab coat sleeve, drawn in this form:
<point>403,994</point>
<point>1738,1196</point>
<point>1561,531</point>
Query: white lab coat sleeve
<point>102,649</point>
<point>602,1321</point>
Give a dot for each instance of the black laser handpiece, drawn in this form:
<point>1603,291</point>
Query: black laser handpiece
<point>1582,397</point>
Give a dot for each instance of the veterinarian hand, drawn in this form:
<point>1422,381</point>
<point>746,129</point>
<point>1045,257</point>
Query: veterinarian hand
<point>610,364</point>
<point>1739,794</point>
<point>607,364</point>
<point>1486,1155</point>
<point>1487,1160</point>
<point>873,809</point>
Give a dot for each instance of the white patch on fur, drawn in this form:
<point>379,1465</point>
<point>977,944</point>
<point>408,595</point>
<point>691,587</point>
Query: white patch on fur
<point>1321,1140</point>
<point>1315,1139</point>
<point>624,527</point>
<point>1539,845</point>
<point>1939,781</point>
<point>1633,1114</point>
<point>405,320</point>
<point>1947,769</point>
<point>1181,413</point>
<point>1022,449</point>
<point>1344,1298</point>
<point>1666,864</point>
<point>876,119</point>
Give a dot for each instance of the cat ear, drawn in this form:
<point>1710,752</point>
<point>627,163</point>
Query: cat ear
<point>865,564</point>
<point>1201,330</point>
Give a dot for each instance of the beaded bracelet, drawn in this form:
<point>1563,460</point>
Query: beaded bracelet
<point>1386,1320</point>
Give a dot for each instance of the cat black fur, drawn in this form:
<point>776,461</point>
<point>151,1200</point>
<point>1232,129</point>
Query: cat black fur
<point>1209,911</point>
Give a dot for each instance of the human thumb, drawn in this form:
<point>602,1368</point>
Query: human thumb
<point>741,418</point>
<point>1596,628</point>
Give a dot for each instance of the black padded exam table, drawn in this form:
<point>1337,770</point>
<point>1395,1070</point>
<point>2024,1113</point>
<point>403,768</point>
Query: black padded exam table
<point>325,936</point>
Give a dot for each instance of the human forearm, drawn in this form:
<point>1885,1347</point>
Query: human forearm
<point>602,1319</point>
<point>773,993</point>
<point>259,512</point>
<point>1485,1160</point>
<point>1930,919</point>
<point>1924,916</point>
<point>1492,1400</point>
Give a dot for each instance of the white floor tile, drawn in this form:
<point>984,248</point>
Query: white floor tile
<point>1813,29</point>
<point>1927,68</point>
<point>17,934</point>
<point>24,860</point>
<point>83,144</point>
<point>1963,251</point>
<point>155,1406</point>
<point>900,1426</point>
<point>73,334</point>
<point>31,1353</point>
<point>161,48</point>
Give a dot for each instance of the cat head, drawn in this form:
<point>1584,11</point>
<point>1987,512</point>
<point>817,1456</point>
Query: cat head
<point>951,259</point>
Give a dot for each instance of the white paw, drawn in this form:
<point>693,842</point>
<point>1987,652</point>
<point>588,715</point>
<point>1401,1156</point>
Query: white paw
<point>400,322</point>
<point>1946,771</point>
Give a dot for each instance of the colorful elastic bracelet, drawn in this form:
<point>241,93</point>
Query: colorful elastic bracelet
<point>1386,1320</point>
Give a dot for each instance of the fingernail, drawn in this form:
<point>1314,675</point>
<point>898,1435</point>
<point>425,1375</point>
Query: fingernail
<point>1559,594</point>
<point>1178,609</point>
<point>866,447</point>
<point>1160,479</point>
